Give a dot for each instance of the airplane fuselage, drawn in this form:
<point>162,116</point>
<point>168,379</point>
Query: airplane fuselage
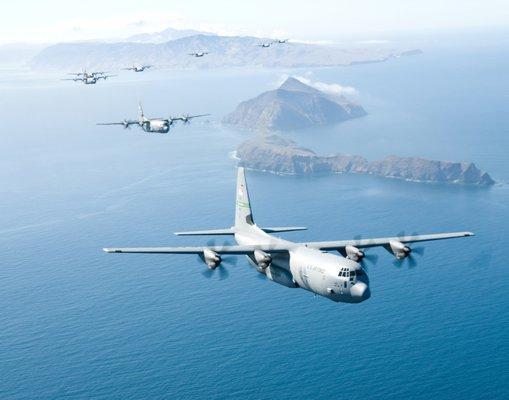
<point>332,276</point>
<point>155,125</point>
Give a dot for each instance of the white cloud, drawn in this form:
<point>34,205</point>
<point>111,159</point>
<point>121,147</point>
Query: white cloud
<point>333,89</point>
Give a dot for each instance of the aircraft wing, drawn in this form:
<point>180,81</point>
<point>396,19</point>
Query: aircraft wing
<point>364,243</point>
<point>104,76</point>
<point>239,250</point>
<point>123,123</point>
<point>285,248</point>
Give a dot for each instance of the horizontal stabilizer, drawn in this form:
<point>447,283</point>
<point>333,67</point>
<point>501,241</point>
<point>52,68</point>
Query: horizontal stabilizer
<point>227,231</point>
<point>276,229</point>
<point>231,231</point>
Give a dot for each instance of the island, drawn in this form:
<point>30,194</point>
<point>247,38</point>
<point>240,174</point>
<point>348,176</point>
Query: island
<point>294,105</point>
<point>276,154</point>
<point>171,48</point>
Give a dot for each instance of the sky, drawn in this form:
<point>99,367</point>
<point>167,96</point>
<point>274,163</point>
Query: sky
<point>60,20</point>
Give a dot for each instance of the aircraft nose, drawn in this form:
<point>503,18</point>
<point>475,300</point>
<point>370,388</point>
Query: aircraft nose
<point>360,292</point>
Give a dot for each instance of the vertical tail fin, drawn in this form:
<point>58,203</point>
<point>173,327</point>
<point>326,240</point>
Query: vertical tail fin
<point>243,214</point>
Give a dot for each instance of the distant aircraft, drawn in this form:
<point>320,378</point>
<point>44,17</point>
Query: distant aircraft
<point>86,74</point>
<point>199,54</point>
<point>340,278</point>
<point>264,45</point>
<point>281,41</point>
<point>137,68</point>
<point>89,78</point>
<point>153,125</point>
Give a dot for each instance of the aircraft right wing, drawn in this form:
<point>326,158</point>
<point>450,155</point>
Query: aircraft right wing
<point>126,123</point>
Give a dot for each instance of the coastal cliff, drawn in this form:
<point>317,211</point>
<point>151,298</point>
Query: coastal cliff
<point>275,154</point>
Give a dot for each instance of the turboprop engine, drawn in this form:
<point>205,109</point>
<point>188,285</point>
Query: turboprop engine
<point>399,249</point>
<point>262,259</point>
<point>211,258</point>
<point>353,253</point>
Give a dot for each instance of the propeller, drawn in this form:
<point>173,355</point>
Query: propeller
<point>410,251</point>
<point>126,124</point>
<point>224,260</point>
<point>366,258</point>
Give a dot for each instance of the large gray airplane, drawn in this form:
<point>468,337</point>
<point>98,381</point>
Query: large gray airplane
<point>89,78</point>
<point>137,68</point>
<point>338,277</point>
<point>153,125</point>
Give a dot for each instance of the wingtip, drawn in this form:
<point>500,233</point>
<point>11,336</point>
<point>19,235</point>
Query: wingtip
<point>107,250</point>
<point>469,234</point>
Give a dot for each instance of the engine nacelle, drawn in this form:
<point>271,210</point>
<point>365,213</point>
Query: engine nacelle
<point>262,259</point>
<point>353,253</point>
<point>399,249</point>
<point>211,258</point>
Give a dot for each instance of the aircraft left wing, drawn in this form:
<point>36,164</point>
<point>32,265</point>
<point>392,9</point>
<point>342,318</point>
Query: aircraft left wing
<point>364,243</point>
<point>239,250</point>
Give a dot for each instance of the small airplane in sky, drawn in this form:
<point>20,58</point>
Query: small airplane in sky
<point>89,78</point>
<point>198,54</point>
<point>281,41</point>
<point>264,45</point>
<point>338,277</point>
<point>86,74</point>
<point>154,125</point>
<point>137,68</point>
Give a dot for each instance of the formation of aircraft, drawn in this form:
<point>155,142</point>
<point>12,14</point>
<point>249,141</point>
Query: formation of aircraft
<point>91,78</point>
<point>198,54</point>
<point>339,277</point>
<point>137,68</point>
<point>153,125</point>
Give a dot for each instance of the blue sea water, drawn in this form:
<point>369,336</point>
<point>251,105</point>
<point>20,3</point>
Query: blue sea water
<point>78,323</point>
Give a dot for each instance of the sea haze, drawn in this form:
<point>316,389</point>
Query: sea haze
<point>79,323</point>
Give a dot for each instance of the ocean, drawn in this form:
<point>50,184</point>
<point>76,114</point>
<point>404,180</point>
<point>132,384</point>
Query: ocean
<point>78,323</point>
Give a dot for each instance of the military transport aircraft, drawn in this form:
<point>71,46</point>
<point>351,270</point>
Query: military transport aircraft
<point>137,68</point>
<point>154,125</point>
<point>264,45</point>
<point>86,74</point>
<point>340,278</point>
<point>281,41</point>
<point>198,54</point>
<point>89,79</point>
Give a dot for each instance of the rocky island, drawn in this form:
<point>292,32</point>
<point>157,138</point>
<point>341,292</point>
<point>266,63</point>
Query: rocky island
<point>170,49</point>
<point>273,153</point>
<point>294,105</point>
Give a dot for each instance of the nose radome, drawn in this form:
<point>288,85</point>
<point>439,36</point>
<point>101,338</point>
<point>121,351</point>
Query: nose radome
<point>360,291</point>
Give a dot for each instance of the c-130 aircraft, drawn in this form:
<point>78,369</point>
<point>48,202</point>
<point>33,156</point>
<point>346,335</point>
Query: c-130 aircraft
<point>338,277</point>
<point>153,125</point>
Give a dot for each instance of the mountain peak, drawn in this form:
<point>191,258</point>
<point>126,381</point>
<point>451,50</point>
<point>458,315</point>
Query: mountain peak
<point>294,105</point>
<point>294,85</point>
